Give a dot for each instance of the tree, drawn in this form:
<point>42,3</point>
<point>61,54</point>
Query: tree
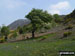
<point>57,18</point>
<point>47,26</point>
<point>27,28</point>
<point>5,32</point>
<point>38,17</point>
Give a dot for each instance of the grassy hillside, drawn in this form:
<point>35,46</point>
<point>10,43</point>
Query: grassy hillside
<point>50,45</point>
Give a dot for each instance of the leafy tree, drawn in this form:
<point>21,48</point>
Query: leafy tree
<point>27,28</point>
<point>5,32</point>
<point>38,17</point>
<point>57,19</point>
<point>47,26</point>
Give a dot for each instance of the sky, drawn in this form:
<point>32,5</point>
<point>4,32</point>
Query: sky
<point>11,10</point>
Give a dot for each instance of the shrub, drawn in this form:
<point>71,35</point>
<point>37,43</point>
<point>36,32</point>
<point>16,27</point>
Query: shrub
<point>43,38</point>
<point>68,20</point>
<point>69,27</point>
<point>20,30</point>
<point>67,33</point>
<point>14,34</point>
<point>2,40</point>
<point>5,31</point>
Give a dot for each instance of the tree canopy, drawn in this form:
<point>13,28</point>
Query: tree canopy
<point>5,31</point>
<point>38,17</point>
<point>57,18</point>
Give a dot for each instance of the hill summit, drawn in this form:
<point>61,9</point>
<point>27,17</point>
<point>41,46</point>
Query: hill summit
<point>18,23</point>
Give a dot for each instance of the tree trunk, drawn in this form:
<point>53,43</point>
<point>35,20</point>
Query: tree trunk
<point>6,38</point>
<point>33,34</point>
<point>33,30</point>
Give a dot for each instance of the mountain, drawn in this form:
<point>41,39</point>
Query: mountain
<point>71,15</point>
<point>70,18</point>
<point>18,23</point>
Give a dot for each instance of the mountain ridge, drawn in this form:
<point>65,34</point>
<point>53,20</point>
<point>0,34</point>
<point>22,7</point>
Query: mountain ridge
<point>17,23</point>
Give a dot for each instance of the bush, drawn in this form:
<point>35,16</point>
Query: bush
<point>43,38</point>
<point>14,35</point>
<point>20,30</point>
<point>67,33</point>
<point>69,27</point>
<point>2,40</point>
<point>68,20</point>
<point>5,32</point>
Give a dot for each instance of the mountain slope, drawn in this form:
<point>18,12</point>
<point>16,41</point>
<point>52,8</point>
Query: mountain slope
<point>70,18</point>
<point>17,23</point>
<point>71,15</point>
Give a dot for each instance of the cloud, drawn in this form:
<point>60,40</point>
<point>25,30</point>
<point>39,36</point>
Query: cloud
<point>57,8</point>
<point>11,4</point>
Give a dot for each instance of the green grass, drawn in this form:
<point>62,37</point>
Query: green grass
<point>35,47</point>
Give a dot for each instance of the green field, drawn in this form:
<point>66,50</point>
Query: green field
<point>50,46</point>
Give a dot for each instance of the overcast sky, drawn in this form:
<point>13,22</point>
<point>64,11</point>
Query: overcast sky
<point>11,10</point>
